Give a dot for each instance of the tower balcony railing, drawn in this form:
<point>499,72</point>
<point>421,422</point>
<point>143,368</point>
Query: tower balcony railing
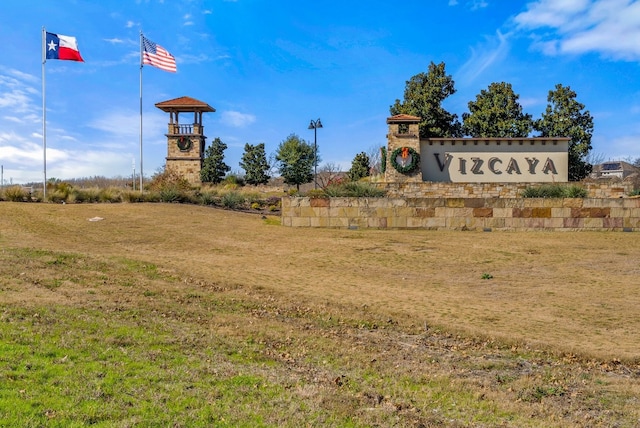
<point>177,129</point>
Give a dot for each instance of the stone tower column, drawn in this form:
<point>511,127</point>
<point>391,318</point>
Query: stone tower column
<point>186,141</point>
<point>403,144</point>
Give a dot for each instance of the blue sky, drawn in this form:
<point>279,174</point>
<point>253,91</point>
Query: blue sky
<point>269,67</point>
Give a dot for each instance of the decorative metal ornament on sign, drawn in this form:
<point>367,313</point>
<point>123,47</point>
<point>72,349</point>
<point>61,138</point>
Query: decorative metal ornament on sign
<point>405,159</point>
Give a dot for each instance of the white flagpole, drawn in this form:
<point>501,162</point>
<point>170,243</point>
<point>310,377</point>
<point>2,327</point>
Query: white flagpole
<point>44,114</point>
<point>141,174</point>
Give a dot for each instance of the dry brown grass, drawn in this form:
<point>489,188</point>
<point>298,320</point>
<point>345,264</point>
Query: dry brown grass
<point>563,305</point>
<point>572,292</point>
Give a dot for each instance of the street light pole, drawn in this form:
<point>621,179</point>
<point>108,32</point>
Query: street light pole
<point>315,124</point>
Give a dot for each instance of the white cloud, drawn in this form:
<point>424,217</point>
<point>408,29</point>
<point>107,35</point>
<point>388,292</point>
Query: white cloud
<point>23,76</point>
<point>618,147</point>
<point>483,57</point>
<point>19,149</point>
<point>608,27</point>
<point>108,150</point>
<point>237,119</point>
<point>551,13</point>
<point>17,95</point>
<point>477,4</point>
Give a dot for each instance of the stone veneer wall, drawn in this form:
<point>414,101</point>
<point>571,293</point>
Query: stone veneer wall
<point>187,168</point>
<point>482,214</point>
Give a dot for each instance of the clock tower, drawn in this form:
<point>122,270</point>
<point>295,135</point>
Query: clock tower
<point>186,141</point>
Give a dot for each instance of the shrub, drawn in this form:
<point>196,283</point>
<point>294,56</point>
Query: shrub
<point>169,179</point>
<point>232,200</point>
<point>317,193</point>
<point>113,197</point>
<point>233,181</point>
<point>173,194</point>
<point>132,196</point>
<point>59,191</point>
<point>57,196</point>
<point>273,200</point>
<point>16,194</point>
<point>208,197</point>
<point>252,197</point>
<point>256,206</point>
<point>554,191</point>
<point>575,191</point>
<point>151,197</point>
<point>84,195</point>
<point>354,189</point>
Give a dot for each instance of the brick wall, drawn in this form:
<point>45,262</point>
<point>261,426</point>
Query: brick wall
<point>495,213</point>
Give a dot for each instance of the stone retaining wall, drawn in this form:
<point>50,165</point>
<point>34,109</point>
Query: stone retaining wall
<point>483,214</point>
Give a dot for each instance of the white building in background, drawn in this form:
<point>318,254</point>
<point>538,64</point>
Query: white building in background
<point>614,169</point>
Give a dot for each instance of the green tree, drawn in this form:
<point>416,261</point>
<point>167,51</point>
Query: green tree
<point>254,162</point>
<point>359,167</point>
<point>213,168</point>
<point>295,159</point>
<point>566,117</point>
<point>423,97</point>
<point>496,112</point>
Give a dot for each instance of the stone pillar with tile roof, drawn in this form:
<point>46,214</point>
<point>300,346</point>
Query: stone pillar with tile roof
<point>186,141</point>
<point>403,132</point>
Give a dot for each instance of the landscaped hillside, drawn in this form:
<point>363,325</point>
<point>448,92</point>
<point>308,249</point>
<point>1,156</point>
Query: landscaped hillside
<point>183,315</point>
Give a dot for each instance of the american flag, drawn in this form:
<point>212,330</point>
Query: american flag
<point>157,56</point>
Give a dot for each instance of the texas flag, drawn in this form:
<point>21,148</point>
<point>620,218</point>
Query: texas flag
<point>62,47</point>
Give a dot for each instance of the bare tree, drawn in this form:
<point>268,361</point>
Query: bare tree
<point>375,159</point>
<point>595,158</point>
<point>327,174</point>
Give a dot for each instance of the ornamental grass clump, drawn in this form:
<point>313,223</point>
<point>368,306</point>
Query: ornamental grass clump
<point>316,193</point>
<point>59,191</point>
<point>176,195</point>
<point>16,194</point>
<point>555,191</point>
<point>110,195</point>
<point>84,195</point>
<point>208,197</point>
<point>575,191</point>
<point>233,200</point>
<point>132,196</point>
<point>354,189</point>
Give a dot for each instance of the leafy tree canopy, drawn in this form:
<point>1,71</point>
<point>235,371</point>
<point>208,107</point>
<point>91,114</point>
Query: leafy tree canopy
<point>497,113</point>
<point>423,97</point>
<point>213,168</point>
<point>254,162</point>
<point>566,117</point>
<point>359,167</point>
<point>295,159</point>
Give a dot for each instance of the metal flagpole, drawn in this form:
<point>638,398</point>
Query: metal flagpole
<point>141,62</point>
<point>44,114</point>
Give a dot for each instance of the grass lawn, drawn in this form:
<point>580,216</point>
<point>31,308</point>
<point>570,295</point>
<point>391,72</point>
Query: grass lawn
<point>187,316</point>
